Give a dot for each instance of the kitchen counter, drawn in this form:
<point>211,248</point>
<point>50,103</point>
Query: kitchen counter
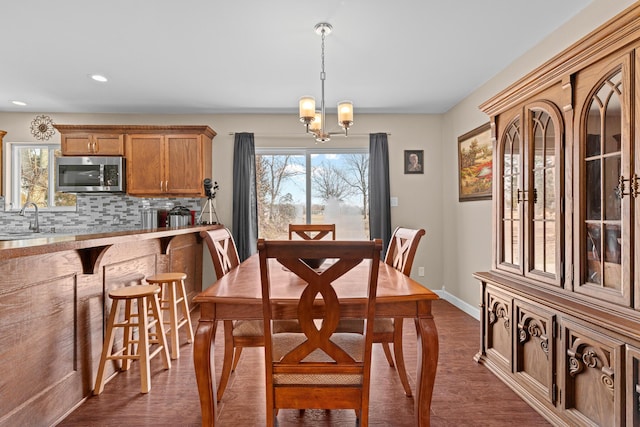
<point>54,299</point>
<point>70,240</point>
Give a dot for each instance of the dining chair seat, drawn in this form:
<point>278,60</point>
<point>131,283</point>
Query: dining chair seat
<point>251,328</point>
<point>243,328</point>
<point>353,344</point>
<point>380,325</point>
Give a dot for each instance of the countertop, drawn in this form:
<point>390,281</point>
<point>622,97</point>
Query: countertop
<point>65,240</point>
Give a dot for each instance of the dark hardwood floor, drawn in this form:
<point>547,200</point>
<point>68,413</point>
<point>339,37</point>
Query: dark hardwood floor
<point>466,393</point>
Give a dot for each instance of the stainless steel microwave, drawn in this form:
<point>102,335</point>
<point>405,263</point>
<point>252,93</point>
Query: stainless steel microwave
<point>90,174</point>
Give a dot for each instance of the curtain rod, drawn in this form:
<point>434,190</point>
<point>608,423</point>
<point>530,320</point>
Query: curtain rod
<point>302,135</point>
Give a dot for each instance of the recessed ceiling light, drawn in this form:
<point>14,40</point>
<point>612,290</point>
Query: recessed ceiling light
<point>99,78</point>
<point>20,103</point>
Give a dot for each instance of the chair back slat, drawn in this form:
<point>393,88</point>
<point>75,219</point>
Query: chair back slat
<point>312,231</point>
<point>222,248</point>
<point>402,248</point>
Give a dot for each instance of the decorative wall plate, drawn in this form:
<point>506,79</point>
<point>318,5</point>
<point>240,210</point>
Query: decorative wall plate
<point>42,128</point>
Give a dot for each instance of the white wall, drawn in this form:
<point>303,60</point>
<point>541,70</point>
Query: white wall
<point>467,226</point>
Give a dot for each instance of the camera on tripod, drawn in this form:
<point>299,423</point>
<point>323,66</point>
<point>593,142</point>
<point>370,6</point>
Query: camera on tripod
<point>210,189</point>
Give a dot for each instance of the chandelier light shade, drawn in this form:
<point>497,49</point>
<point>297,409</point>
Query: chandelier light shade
<point>307,109</point>
<point>314,120</point>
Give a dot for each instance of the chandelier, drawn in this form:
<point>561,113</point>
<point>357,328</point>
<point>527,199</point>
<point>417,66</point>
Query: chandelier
<point>314,120</point>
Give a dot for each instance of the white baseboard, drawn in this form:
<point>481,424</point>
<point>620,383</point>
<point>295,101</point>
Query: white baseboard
<point>462,305</point>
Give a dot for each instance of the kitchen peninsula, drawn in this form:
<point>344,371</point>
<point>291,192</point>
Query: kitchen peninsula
<point>54,309</point>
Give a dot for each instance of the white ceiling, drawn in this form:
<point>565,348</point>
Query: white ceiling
<point>256,56</point>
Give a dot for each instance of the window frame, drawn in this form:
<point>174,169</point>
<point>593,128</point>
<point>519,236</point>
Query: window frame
<point>13,202</point>
<point>307,153</point>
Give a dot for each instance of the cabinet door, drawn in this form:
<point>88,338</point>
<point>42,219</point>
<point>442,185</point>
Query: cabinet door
<point>534,354</point>
<point>108,145</point>
<point>604,180</point>
<point>76,144</point>
<point>633,386</point>
<point>509,211</point>
<point>499,334</point>
<point>86,144</point>
<point>145,159</point>
<point>530,171</point>
<point>592,376</point>
<point>542,192</point>
<point>183,169</point>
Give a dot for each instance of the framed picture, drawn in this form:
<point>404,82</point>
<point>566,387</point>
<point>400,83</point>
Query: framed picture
<point>413,161</point>
<point>475,164</point>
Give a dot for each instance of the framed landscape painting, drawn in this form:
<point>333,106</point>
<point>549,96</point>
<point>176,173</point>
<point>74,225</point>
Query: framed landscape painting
<point>475,164</point>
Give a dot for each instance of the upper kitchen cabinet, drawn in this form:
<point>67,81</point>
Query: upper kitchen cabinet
<point>81,140</point>
<point>168,161</point>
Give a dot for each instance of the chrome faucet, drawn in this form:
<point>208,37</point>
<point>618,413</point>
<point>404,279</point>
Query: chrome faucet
<point>35,225</point>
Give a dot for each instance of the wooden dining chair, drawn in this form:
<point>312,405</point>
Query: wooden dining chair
<point>237,333</point>
<point>400,254</point>
<point>318,368</point>
<point>312,231</point>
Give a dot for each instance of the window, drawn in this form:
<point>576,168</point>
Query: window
<point>33,175</point>
<point>313,186</point>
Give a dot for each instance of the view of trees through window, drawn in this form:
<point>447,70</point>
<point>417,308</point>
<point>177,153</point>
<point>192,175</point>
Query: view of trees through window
<point>315,187</point>
<point>33,169</point>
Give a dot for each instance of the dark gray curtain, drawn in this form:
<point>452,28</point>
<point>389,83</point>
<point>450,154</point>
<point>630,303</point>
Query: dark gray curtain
<point>379,192</point>
<point>245,206</point>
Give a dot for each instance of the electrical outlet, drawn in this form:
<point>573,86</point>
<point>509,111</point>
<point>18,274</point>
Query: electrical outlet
<point>421,271</point>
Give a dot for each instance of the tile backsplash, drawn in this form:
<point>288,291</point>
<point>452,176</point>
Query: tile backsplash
<point>95,211</point>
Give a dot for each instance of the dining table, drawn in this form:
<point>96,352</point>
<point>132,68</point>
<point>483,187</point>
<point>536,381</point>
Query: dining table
<point>238,296</point>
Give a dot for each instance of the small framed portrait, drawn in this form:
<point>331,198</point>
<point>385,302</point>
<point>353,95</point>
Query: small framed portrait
<point>475,164</point>
<point>413,161</point>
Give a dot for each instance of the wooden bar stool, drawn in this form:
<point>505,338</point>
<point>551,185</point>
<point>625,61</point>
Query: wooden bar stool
<point>173,298</point>
<point>147,319</point>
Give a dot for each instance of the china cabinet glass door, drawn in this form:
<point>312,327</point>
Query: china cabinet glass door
<point>530,234</point>
<point>609,187</point>
<point>510,227</point>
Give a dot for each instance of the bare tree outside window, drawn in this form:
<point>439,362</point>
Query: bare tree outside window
<point>356,175</point>
<point>338,184</point>
<point>328,182</point>
<point>35,166</point>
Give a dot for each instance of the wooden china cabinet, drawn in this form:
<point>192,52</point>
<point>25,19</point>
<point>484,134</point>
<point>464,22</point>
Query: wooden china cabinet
<point>560,311</point>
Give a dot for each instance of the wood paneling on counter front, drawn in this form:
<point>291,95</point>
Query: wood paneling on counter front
<point>54,311</point>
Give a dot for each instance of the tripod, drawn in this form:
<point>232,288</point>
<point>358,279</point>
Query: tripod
<point>208,206</point>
